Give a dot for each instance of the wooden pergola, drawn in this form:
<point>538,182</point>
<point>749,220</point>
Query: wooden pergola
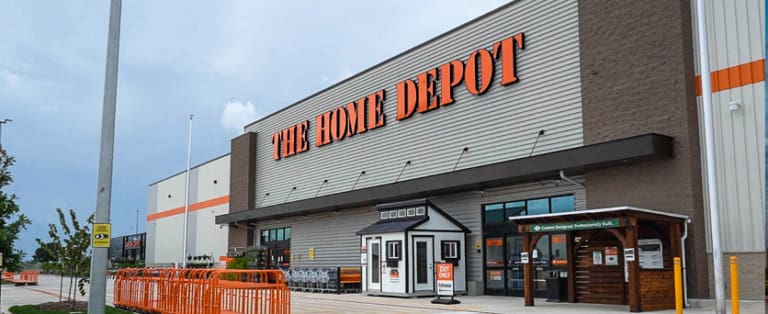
<point>642,288</point>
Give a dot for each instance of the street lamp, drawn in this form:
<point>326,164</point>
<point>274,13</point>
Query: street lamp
<point>4,121</point>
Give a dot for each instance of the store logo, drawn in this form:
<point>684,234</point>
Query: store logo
<point>413,95</point>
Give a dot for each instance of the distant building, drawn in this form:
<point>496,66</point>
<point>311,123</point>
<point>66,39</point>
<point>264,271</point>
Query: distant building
<point>128,248</point>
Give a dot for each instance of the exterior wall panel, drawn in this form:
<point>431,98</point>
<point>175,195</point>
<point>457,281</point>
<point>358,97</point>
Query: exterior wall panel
<point>501,124</point>
<point>736,36</point>
<point>165,236</point>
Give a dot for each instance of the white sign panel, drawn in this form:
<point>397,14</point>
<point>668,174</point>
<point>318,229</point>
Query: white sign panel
<point>524,257</point>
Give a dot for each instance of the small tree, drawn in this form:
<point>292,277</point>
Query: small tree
<point>72,251</point>
<point>10,223</point>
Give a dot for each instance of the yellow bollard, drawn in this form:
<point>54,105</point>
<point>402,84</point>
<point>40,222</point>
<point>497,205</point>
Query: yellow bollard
<point>734,285</point>
<point>678,286</point>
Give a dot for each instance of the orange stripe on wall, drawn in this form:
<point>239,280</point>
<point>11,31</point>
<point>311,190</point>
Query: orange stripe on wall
<point>192,207</point>
<point>735,76</point>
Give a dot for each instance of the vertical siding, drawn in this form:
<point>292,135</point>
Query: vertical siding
<point>736,36</point>
<point>499,125</point>
<point>333,234</point>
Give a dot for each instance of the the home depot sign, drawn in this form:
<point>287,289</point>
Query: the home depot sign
<point>420,95</point>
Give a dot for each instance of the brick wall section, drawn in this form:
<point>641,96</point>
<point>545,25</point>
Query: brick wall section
<point>657,290</point>
<point>242,183</point>
<point>637,77</point>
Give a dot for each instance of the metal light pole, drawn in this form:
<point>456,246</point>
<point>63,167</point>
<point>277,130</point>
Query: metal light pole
<point>4,121</point>
<point>706,102</point>
<point>97,294</point>
<point>186,194</point>
<point>137,222</point>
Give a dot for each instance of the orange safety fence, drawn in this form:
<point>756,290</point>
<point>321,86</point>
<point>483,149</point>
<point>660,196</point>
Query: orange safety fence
<point>201,291</point>
<point>29,275</point>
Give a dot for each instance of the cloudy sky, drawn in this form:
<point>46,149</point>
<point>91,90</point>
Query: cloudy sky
<point>228,62</point>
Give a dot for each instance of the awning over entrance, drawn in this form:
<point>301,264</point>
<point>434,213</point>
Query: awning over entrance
<point>617,255</point>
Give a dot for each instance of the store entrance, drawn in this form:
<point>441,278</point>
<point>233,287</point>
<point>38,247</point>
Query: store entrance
<point>504,269</point>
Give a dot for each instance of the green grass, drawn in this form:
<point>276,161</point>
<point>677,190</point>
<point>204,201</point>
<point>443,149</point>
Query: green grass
<point>30,309</point>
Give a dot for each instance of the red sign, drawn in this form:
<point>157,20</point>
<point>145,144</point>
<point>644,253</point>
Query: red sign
<point>413,95</point>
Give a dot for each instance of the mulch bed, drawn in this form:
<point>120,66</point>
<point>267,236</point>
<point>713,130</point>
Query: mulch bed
<point>63,306</point>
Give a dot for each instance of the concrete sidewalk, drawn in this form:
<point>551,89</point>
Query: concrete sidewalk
<point>306,303</point>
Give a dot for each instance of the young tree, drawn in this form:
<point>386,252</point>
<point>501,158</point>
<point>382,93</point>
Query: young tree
<point>71,249</point>
<point>11,223</point>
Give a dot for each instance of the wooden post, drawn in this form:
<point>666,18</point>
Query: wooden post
<point>528,271</point>
<point>635,302</point>
<point>571,266</point>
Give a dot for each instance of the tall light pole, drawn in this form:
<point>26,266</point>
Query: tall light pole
<point>706,103</point>
<point>186,194</point>
<point>97,294</point>
<point>4,121</point>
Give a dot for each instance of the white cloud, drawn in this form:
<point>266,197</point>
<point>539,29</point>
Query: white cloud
<point>237,114</point>
<point>9,79</point>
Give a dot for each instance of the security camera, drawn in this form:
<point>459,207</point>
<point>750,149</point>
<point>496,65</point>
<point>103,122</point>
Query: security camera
<point>734,105</point>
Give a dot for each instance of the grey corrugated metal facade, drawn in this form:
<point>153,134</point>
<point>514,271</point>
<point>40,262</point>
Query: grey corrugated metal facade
<point>499,125</point>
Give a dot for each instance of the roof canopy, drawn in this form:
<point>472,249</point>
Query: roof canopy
<point>603,215</point>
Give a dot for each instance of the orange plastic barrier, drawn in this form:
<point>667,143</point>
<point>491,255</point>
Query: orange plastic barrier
<point>27,277</point>
<point>201,291</point>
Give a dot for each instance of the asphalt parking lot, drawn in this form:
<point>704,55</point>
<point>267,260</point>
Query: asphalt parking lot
<point>305,303</point>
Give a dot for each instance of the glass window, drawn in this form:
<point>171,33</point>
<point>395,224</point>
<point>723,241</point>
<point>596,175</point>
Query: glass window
<point>538,206</point>
<point>515,209</point>
<point>559,253</point>
<point>494,279</point>
<point>288,233</point>
<point>450,249</point>
<point>273,235</point>
<point>514,247</point>
<point>563,204</point>
<point>393,249</point>
<point>494,213</point>
<point>541,255</point>
<point>280,234</point>
<point>494,252</point>
<point>264,236</point>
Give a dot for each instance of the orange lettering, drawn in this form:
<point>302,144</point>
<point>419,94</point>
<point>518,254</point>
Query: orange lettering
<point>427,91</point>
<point>505,50</point>
<point>322,134</point>
<point>486,72</point>
<point>301,137</point>
<point>339,124</point>
<point>289,140</point>
<point>356,117</point>
<point>406,99</point>
<point>376,117</point>
<point>276,146</point>
<point>451,74</point>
